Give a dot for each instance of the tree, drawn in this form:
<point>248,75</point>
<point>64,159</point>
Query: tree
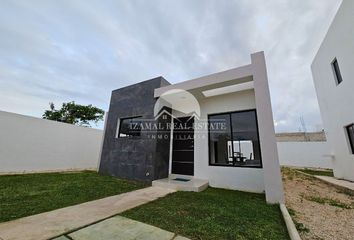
<point>73,113</point>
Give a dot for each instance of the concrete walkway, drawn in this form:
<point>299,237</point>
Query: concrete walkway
<point>121,228</point>
<point>57,222</point>
<point>338,182</point>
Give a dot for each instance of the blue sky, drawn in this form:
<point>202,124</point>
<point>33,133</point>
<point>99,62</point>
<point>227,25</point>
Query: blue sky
<point>71,50</point>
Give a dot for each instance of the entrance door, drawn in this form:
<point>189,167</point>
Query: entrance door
<point>183,146</point>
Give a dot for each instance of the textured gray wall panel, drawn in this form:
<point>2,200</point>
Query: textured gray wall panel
<point>139,159</point>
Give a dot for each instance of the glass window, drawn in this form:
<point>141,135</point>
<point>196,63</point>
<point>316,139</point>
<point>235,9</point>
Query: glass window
<point>246,149</point>
<point>236,144</point>
<point>336,71</point>
<point>130,127</point>
<point>350,132</point>
<point>219,139</point>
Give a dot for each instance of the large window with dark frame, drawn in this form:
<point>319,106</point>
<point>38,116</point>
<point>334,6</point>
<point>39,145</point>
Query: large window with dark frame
<point>129,127</point>
<point>336,71</point>
<point>234,140</point>
<point>350,132</point>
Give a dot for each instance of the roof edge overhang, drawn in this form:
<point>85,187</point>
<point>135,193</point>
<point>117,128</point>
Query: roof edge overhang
<point>221,79</point>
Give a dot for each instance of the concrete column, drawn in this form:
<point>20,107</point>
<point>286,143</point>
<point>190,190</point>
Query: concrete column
<point>271,168</point>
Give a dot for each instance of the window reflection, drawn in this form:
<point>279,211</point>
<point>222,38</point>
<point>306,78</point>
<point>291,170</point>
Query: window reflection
<point>237,144</point>
<point>130,127</point>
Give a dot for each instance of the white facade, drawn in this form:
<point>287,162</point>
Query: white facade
<point>29,144</point>
<point>247,88</point>
<point>245,179</point>
<point>336,100</point>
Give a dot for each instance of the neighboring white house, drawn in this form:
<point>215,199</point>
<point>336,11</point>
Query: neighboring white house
<point>333,74</point>
<point>242,154</point>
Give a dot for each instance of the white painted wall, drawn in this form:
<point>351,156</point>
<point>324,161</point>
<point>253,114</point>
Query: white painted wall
<point>29,144</point>
<point>336,102</point>
<point>245,179</point>
<point>272,177</point>
<point>305,154</point>
<point>268,178</point>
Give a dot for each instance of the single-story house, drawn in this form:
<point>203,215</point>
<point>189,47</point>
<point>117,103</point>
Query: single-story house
<point>217,128</point>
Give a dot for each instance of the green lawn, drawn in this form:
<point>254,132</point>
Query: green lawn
<point>328,173</point>
<point>28,194</point>
<point>214,214</point>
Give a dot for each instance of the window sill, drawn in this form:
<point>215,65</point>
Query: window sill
<point>234,166</point>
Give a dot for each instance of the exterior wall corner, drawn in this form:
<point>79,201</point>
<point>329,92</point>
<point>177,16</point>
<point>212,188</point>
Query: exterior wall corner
<point>271,167</point>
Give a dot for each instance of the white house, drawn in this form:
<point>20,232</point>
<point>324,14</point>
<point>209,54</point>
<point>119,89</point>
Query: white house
<point>333,74</point>
<point>217,128</point>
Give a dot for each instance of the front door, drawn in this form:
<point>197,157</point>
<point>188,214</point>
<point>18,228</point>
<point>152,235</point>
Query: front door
<point>183,146</point>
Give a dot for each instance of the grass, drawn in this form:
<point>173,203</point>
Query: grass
<point>24,195</point>
<point>291,174</point>
<point>345,191</point>
<point>291,211</point>
<point>329,201</point>
<point>214,214</point>
<point>328,173</point>
<point>299,226</point>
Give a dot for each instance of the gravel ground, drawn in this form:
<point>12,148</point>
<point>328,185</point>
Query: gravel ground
<point>319,210</point>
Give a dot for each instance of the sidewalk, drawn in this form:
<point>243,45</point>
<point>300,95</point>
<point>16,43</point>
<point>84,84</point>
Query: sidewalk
<point>57,222</point>
<point>122,228</point>
<point>338,182</point>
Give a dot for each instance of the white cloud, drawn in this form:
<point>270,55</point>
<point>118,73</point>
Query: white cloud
<point>82,50</point>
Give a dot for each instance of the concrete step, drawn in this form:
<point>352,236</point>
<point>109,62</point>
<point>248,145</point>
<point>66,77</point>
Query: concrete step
<point>192,185</point>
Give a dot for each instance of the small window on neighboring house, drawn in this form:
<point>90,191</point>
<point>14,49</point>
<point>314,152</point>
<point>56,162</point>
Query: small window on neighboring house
<point>350,132</point>
<point>336,71</point>
<point>129,127</point>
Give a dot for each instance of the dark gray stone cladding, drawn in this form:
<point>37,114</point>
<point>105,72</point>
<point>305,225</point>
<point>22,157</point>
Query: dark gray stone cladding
<point>141,158</point>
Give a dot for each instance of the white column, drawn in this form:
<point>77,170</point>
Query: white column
<point>271,168</point>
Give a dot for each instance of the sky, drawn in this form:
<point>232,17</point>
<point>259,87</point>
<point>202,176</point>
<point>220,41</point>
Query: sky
<point>81,50</point>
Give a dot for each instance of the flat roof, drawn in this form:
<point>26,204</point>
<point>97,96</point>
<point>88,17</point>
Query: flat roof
<point>213,81</point>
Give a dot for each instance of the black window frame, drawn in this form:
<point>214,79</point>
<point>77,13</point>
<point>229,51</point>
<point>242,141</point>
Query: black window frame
<point>259,143</point>
<point>120,125</point>
<point>350,138</point>
<point>336,71</point>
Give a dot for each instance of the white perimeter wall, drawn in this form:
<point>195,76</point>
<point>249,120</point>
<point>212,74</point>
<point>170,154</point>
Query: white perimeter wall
<point>29,144</point>
<point>337,101</point>
<point>305,154</point>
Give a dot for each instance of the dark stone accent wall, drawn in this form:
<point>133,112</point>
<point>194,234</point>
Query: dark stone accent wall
<point>143,159</point>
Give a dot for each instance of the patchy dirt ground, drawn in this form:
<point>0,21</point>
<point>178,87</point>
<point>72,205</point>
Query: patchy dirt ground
<point>320,211</point>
